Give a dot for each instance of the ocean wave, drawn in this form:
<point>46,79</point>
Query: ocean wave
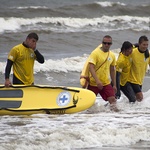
<point>65,65</point>
<point>110,4</point>
<point>88,4</point>
<point>84,9</point>
<point>68,64</point>
<point>103,4</point>
<point>30,7</point>
<point>60,24</point>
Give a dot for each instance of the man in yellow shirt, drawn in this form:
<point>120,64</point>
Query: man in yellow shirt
<point>102,71</point>
<point>140,60</point>
<point>22,58</point>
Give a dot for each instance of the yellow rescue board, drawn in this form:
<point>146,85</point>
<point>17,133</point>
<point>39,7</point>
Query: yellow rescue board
<point>27,100</point>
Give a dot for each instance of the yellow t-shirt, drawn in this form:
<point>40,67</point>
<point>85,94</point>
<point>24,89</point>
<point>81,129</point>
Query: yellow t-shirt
<point>97,57</point>
<point>138,67</point>
<point>23,62</point>
<point>123,66</point>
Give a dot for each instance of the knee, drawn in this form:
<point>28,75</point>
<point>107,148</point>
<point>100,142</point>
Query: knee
<point>111,100</point>
<point>139,96</point>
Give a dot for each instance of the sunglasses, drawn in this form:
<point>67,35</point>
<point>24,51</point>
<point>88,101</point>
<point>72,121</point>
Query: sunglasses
<point>109,43</point>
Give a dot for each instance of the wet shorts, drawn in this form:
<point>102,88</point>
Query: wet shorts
<point>106,92</point>
<point>130,89</point>
<point>136,87</point>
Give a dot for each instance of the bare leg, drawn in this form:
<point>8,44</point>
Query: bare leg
<point>112,102</point>
<point>139,96</point>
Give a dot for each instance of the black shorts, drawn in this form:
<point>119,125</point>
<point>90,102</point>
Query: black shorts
<point>16,80</point>
<point>130,89</point>
<point>136,87</point>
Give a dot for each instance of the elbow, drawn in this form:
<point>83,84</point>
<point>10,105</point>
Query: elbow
<point>42,61</point>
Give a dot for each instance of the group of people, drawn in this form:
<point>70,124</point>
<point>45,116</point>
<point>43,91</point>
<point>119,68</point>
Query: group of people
<point>109,76</point>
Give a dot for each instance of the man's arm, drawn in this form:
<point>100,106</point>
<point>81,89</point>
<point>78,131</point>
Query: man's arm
<point>39,56</point>
<point>7,72</point>
<point>118,94</point>
<point>93,72</point>
<point>113,76</point>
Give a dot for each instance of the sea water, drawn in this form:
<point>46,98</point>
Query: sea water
<point>68,31</point>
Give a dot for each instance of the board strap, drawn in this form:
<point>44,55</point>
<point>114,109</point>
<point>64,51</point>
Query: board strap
<point>48,87</point>
<point>47,110</point>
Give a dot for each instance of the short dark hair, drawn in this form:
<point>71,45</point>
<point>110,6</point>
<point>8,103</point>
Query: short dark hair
<point>126,45</point>
<point>107,36</point>
<point>142,38</point>
<point>33,35</point>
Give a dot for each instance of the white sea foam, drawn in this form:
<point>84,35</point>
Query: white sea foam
<point>110,4</point>
<point>92,128</point>
<point>59,24</point>
<point>70,64</point>
<point>32,7</point>
<point>74,64</point>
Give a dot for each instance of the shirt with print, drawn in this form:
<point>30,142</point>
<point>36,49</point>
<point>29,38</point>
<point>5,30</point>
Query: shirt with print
<point>123,66</point>
<point>97,57</point>
<point>138,67</point>
<point>23,62</point>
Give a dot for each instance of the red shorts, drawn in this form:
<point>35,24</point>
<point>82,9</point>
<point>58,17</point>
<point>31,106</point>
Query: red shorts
<point>106,92</point>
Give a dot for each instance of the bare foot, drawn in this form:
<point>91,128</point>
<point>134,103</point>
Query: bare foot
<point>114,108</point>
<point>139,100</point>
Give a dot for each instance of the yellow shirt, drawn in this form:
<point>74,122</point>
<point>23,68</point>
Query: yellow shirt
<point>23,62</point>
<point>97,57</point>
<point>123,66</point>
<point>138,67</point>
